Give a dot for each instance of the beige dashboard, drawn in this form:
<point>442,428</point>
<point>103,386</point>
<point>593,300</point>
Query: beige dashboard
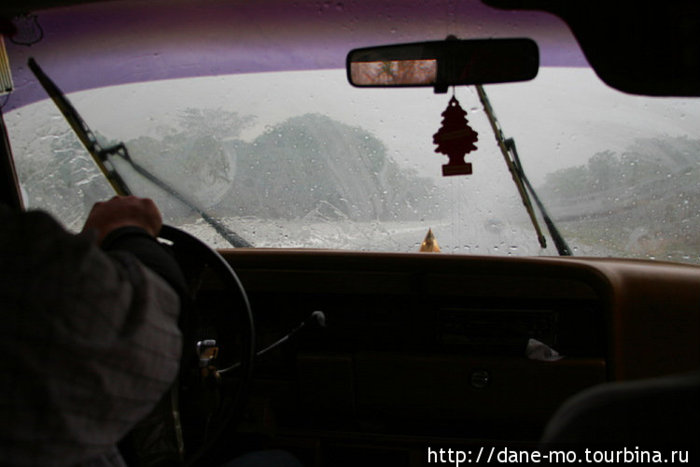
<point>429,345</point>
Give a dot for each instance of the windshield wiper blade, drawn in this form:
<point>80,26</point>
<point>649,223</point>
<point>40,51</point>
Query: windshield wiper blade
<point>512,159</point>
<point>500,139</point>
<point>85,135</point>
<point>233,238</point>
<point>559,242</point>
<point>101,157</point>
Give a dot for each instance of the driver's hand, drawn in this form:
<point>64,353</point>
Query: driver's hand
<point>123,211</point>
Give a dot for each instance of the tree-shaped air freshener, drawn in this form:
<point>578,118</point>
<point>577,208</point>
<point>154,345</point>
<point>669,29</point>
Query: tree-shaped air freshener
<point>455,139</point>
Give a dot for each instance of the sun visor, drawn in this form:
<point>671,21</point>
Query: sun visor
<point>648,48</point>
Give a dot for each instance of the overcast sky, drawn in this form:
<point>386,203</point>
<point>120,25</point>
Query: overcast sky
<point>560,119</point>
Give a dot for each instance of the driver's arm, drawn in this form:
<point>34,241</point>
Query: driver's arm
<point>130,224</point>
<point>89,341</point>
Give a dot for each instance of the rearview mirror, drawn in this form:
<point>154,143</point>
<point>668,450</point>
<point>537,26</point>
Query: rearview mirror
<point>441,64</point>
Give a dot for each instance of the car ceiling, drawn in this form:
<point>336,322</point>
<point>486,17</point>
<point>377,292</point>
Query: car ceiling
<point>129,41</point>
<point>650,47</point>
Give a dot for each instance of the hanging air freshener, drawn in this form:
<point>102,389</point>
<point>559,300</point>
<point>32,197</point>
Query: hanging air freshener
<point>455,139</point>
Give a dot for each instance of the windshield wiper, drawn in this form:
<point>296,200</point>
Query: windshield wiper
<point>510,154</point>
<point>559,242</point>
<point>101,156</point>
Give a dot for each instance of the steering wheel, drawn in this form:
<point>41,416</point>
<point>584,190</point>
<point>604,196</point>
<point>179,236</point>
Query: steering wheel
<point>203,399</point>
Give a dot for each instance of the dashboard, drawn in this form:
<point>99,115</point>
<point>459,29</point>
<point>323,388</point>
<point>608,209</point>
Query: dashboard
<point>429,348</point>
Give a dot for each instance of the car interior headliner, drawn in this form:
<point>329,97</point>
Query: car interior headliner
<point>635,47</point>
<point>127,41</point>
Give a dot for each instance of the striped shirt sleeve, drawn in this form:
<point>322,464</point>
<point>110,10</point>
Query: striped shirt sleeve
<point>89,343</point>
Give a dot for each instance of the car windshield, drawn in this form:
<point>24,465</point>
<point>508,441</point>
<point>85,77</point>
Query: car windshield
<point>295,157</point>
